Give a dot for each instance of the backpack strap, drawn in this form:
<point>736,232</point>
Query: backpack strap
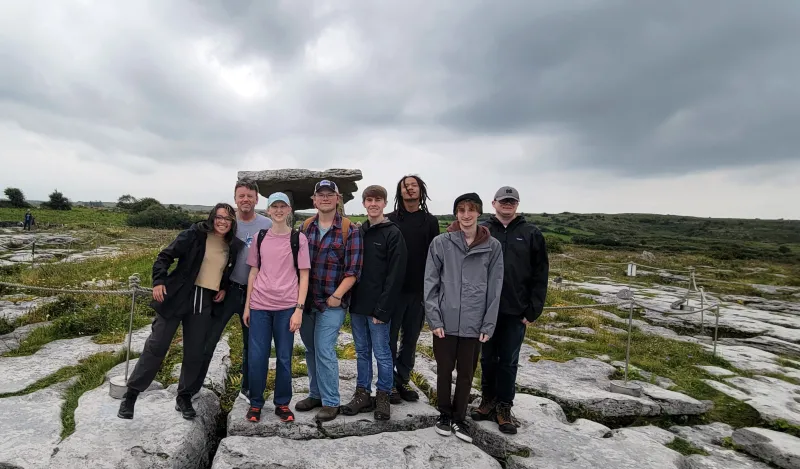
<point>294,240</point>
<point>261,234</point>
<point>345,227</point>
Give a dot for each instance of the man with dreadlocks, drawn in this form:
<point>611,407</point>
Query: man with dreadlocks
<point>419,228</point>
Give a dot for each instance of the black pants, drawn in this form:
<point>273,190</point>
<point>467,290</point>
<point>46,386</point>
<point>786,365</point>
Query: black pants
<point>195,328</point>
<point>410,317</point>
<point>500,359</point>
<point>461,354</point>
<point>233,303</point>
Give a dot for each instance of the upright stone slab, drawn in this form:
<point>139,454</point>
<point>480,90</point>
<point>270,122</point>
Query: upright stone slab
<point>299,183</point>
<point>417,450</point>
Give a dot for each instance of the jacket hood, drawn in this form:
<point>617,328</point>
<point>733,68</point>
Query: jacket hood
<point>481,235</point>
<point>383,224</point>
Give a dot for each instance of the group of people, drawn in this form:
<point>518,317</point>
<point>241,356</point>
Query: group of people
<point>477,285</point>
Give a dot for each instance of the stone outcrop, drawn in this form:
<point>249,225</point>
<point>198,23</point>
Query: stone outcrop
<point>780,449</point>
<point>583,384</point>
<point>298,184</point>
<point>774,399</point>
<point>418,449</point>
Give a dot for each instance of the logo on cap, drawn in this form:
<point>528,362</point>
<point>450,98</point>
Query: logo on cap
<point>509,191</point>
<point>326,183</point>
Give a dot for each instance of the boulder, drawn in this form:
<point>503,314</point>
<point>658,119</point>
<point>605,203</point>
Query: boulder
<point>583,384</point>
<point>780,449</point>
<point>414,449</point>
<point>298,184</point>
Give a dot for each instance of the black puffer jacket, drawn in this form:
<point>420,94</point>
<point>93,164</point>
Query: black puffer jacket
<point>189,248</point>
<point>378,291</point>
<point>526,267</point>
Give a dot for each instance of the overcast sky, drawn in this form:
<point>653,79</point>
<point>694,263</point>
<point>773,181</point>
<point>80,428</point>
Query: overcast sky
<point>681,106</point>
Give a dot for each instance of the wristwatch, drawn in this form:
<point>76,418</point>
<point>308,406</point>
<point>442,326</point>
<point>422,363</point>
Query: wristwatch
<point>299,305</point>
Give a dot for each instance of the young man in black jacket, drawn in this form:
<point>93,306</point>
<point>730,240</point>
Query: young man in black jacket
<point>521,302</point>
<point>419,228</point>
<point>373,304</point>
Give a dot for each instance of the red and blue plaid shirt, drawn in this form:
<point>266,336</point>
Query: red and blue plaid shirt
<point>332,261</point>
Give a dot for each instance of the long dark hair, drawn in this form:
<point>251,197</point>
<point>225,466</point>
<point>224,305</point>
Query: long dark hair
<point>399,207</point>
<point>207,226</point>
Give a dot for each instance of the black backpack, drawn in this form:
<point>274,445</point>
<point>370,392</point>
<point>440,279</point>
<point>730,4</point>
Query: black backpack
<point>294,240</point>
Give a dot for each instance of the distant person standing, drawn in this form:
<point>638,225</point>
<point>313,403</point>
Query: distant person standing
<point>28,220</point>
<point>335,249</point>
<point>375,298</point>
<point>526,267</point>
<point>206,254</point>
<point>419,228</point>
<point>248,224</point>
<point>463,282</point>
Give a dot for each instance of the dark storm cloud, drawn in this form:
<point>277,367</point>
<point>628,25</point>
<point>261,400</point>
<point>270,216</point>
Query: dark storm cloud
<point>636,87</point>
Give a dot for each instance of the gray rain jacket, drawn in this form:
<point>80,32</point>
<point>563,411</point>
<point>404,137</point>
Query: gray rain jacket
<point>463,284</point>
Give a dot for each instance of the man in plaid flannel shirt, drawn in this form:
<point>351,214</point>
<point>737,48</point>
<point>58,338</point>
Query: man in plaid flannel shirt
<point>335,268</point>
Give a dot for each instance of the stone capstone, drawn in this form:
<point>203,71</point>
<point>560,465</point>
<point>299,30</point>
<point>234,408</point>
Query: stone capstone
<point>298,184</point>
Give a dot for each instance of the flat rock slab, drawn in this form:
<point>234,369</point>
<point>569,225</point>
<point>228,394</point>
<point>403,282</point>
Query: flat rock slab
<point>12,310</point>
<point>300,183</point>
<point>12,340</point>
<point>583,384</point>
<point>552,442</point>
<point>406,416</point>
<point>415,450</point>
<point>780,449</point>
<point>101,252</point>
<point>30,428</point>
<point>716,371</point>
<point>750,358</point>
<point>156,437</point>
<point>709,438</point>
<point>773,398</point>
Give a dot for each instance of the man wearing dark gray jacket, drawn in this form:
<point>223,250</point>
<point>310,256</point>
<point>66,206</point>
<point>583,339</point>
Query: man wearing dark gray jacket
<point>463,282</point>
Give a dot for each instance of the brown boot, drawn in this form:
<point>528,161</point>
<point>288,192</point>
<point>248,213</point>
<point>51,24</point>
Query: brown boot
<point>326,414</point>
<point>307,404</point>
<point>486,411</point>
<point>362,402</point>
<point>382,407</point>
<point>508,424</point>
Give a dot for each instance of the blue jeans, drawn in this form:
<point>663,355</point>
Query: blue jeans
<point>319,333</point>
<point>372,338</point>
<point>264,325</point>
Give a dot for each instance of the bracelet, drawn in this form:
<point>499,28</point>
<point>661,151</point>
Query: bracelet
<point>299,306</point>
<point>337,298</point>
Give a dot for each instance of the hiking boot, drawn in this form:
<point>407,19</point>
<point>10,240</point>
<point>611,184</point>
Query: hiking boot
<point>326,414</point>
<point>394,397</point>
<point>486,411</point>
<point>183,404</point>
<point>505,420</point>
<point>362,402</point>
<point>443,425</point>
<point>461,430</point>
<point>127,404</point>
<point>284,413</point>
<point>308,404</point>
<point>382,409</point>
<point>253,415</point>
<point>407,393</point>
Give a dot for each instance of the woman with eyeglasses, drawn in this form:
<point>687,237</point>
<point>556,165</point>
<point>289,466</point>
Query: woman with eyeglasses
<point>206,254</point>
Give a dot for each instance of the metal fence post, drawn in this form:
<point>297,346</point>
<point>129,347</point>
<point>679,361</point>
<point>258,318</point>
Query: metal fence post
<point>133,284</point>
<point>716,327</point>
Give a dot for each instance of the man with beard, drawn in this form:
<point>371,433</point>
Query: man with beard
<point>248,224</point>
<point>419,228</point>
<point>526,267</point>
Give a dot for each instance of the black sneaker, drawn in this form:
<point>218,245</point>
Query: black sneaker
<point>407,393</point>
<point>443,425</point>
<point>254,414</point>
<point>284,413</point>
<point>183,404</point>
<point>127,404</point>
<point>461,430</point>
<point>394,397</point>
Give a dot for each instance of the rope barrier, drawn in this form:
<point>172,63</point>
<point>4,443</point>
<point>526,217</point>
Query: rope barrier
<point>673,313</point>
<point>21,286</point>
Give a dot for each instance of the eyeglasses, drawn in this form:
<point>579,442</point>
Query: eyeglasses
<point>508,201</point>
<point>223,218</point>
<point>326,195</point>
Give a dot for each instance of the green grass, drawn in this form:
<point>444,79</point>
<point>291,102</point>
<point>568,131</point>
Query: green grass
<point>234,382</point>
<point>91,374</point>
<point>685,448</point>
<point>78,217</point>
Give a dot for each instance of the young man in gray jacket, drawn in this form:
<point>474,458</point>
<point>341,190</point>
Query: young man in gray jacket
<point>463,282</point>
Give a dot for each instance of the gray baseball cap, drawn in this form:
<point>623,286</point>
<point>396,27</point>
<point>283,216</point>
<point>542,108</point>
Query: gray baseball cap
<point>506,192</point>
